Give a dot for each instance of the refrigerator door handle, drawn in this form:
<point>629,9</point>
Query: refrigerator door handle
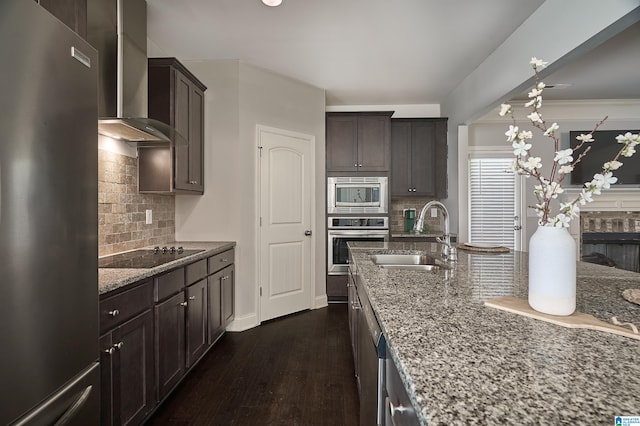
<point>73,409</point>
<point>68,402</point>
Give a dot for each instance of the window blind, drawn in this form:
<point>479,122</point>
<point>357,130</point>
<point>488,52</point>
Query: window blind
<point>492,195</point>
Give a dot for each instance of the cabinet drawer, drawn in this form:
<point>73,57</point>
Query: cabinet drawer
<point>119,308</point>
<point>196,271</point>
<point>221,260</point>
<point>169,284</point>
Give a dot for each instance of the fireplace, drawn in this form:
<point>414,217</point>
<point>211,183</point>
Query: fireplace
<point>619,249</point>
<point>611,238</point>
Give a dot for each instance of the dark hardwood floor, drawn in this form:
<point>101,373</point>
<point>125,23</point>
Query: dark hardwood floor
<point>295,370</point>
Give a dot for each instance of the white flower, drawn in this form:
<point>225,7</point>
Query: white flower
<point>533,163</point>
<point>520,148</point>
<point>512,133</point>
<point>585,138</point>
<point>612,165</point>
<point>566,169</point>
<point>505,109</point>
<point>537,63</point>
<point>553,190</point>
<point>604,181</point>
<point>628,151</point>
<point>537,101</point>
<point>564,156</point>
<point>570,209</point>
<point>551,130</point>
<point>534,93</point>
<point>540,85</point>
<point>585,197</point>
<point>561,221</point>
<point>525,134</point>
<point>535,117</point>
<point>628,138</point>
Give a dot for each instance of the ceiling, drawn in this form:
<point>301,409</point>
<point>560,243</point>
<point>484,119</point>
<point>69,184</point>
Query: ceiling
<point>375,52</point>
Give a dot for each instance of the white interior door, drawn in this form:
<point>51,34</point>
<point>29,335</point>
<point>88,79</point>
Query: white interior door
<point>285,238</point>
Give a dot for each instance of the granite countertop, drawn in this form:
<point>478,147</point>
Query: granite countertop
<point>465,363</point>
<point>110,279</point>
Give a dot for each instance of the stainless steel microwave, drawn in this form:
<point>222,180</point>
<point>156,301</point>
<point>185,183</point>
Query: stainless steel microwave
<point>357,194</point>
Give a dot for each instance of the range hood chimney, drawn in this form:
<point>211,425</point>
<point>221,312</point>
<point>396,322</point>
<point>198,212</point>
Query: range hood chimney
<point>118,30</point>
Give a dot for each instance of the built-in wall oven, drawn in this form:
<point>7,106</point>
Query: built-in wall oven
<point>357,195</point>
<point>342,230</point>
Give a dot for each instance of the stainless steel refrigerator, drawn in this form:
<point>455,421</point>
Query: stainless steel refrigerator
<point>49,371</point>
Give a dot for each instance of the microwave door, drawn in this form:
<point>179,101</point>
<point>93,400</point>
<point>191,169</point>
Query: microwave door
<point>357,195</point>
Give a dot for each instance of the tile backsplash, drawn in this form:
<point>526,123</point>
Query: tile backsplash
<point>121,209</point>
<point>396,216</point>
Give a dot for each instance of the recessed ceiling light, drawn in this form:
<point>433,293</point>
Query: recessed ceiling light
<point>272,2</point>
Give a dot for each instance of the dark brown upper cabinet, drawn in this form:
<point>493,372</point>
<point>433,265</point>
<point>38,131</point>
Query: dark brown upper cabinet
<point>358,142</point>
<point>73,13</point>
<point>176,97</point>
<point>419,157</point>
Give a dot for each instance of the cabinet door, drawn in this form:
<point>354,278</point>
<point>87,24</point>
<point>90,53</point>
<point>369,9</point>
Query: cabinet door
<point>373,143</point>
<point>228,289</point>
<point>181,105</point>
<point>441,154</point>
<point>73,13</point>
<point>169,337</point>
<point>107,398</point>
<point>215,305</point>
<point>401,159</point>
<point>196,321</point>
<point>342,146</point>
<point>423,159</point>
<point>196,140</point>
<point>133,369</point>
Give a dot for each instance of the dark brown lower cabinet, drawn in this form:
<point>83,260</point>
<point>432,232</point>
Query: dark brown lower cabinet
<point>127,371</point>
<point>215,306</point>
<point>197,342</point>
<point>221,301</point>
<point>147,348</point>
<point>228,296</point>
<point>170,349</point>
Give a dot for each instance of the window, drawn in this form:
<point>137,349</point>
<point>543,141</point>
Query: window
<point>494,194</point>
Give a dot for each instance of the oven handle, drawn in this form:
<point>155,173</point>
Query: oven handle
<point>361,233</point>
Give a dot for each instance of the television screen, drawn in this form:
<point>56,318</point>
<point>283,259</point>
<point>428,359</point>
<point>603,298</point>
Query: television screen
<point>603,149</point>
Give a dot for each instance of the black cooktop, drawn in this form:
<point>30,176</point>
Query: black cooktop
<point>148,258</point>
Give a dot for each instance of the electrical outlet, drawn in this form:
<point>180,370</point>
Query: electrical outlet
<point>434,212</point>
<point>149,217</point>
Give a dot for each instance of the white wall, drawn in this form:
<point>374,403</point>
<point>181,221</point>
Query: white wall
<point>489,132</point>
<point>239,97</point>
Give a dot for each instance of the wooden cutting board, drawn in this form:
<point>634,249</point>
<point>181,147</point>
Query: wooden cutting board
<point>575,320</point>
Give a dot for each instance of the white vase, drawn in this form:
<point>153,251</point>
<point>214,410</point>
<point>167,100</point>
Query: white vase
<point>552,271</point>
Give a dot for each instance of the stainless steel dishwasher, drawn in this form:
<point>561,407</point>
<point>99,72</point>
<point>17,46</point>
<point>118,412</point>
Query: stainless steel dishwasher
<point>372,348</point>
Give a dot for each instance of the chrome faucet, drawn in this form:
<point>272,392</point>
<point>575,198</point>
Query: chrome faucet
<point>448,251</point>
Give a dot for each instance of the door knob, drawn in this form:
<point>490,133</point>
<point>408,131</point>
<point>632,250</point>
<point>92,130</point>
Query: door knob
<point>307,232</point>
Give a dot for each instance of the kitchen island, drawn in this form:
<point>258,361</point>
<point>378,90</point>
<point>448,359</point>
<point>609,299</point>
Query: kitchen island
<point>462,362</point>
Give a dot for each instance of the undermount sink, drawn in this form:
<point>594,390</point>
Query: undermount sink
<point>413,262</point>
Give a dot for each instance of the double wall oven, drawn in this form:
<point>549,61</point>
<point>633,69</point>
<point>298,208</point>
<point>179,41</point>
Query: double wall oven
<point>342,230</point>
<point>358,210</point>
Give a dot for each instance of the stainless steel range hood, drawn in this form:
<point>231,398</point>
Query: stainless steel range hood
<point>118,30</point>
